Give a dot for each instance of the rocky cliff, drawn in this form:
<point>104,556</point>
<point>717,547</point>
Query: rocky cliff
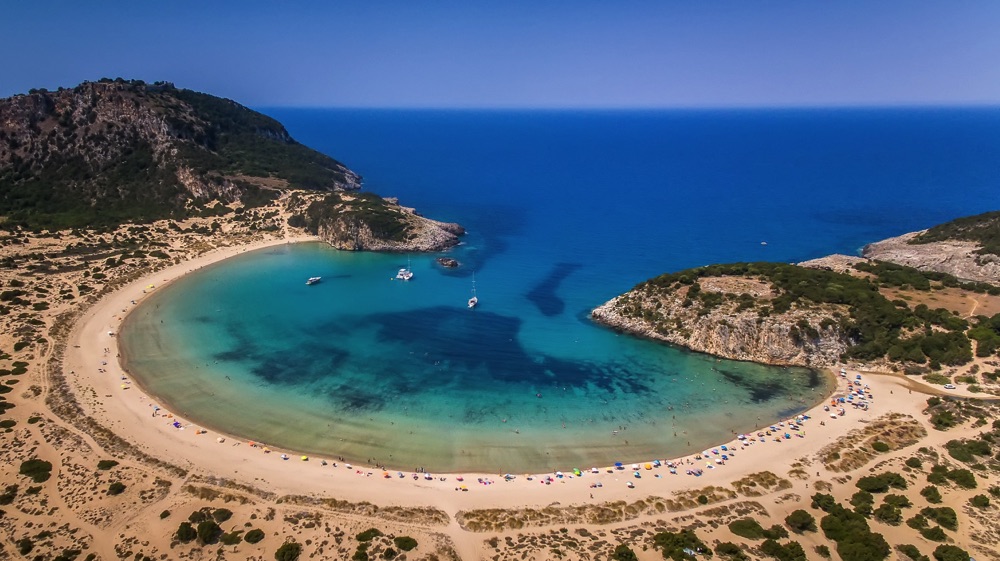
<point>719,321</point>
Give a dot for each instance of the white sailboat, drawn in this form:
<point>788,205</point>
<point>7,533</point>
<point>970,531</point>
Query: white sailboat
<point>405,273</point>
<point>474,301</point>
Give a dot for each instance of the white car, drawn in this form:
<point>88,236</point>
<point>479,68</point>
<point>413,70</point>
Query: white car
<point>949,386</point>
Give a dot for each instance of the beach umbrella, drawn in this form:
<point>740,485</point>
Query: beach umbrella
<point>305,458</point>
<point>618,465</point>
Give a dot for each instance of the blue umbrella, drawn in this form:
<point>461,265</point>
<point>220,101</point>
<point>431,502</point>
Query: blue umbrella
<point>618,464</point>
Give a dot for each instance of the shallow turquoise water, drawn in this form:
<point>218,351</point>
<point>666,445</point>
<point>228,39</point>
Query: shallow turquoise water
<point>363,366</point>
<point>564,211</point>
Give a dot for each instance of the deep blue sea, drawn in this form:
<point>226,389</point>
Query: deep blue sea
<point>564,210</point>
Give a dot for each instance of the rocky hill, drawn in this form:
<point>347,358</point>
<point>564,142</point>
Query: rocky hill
<point>777,313</point>
<point>114,151</point>
<point>729,316</point>
<point>967,248</point>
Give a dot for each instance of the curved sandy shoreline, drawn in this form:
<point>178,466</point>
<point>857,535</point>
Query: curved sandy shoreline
<point>123,407</point>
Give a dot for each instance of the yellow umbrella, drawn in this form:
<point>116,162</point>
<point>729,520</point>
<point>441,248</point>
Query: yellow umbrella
<point>305,458</point>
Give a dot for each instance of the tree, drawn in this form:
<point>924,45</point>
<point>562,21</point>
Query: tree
<point>186,532</point>
<point>254,536</point>
<point>950,553</point>
<point>623,553</point>
<point>801,521</point>
<point>208,532</point>
<point>288,552</point>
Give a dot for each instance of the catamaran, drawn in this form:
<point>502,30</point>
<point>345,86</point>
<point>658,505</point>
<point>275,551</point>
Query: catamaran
<point>474,301</point>
<point>405,273</point>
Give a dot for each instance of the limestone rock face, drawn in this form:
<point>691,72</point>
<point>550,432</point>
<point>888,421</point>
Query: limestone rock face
<point>798,337</point>
<point>955,257</point>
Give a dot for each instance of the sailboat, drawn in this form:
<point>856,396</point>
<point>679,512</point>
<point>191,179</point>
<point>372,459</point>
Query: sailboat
<point>405,273</point>
<point>474,301</point>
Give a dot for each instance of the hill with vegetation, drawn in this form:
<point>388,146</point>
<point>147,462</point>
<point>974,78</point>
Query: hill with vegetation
<point>115,151</point>
<point>788,314</point>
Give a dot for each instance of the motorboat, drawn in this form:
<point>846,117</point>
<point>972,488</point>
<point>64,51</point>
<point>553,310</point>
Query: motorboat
<point>314,280</point>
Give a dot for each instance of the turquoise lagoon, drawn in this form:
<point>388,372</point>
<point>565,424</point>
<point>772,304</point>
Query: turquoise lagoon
<point>564,211</point>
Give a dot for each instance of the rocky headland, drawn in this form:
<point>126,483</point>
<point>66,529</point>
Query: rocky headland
<point>110,152</point>
<point>727,326</point>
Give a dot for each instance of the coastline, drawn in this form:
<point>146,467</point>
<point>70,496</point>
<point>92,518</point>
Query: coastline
<point>128,412</point>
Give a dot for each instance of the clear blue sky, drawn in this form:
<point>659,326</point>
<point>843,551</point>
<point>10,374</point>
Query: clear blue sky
<point>518,53</point>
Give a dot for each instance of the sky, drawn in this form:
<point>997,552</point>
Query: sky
<point>518,54</point>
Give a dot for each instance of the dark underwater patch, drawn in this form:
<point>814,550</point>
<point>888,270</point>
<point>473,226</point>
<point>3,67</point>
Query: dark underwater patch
<point>545,294</point>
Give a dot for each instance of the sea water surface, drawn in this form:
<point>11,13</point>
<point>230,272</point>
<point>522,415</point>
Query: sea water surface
<point>564,210</point>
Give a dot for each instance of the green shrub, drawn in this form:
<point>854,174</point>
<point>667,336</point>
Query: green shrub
<point>731,551</point>
<point>406,543</point>
<point>880,446</point>
<point>917,522</point>
<point>623,553</point>
<point>791,551</point>
<point>106,464</point>
<point>164,514</point>
<point>801,521</point>
<point>888,514</point>
<point>208,532</point>
<point>963,478</point>
<point>980,501</point>
<point>931,493</point>
<point>912,552</point>
<point>231,538</point>
<point>197,517</point>
<point>369,534</point>
<point>254,536</point>
<point>747,528</point>
<point>672,545</point>
<point>935,534</point>
<point>965,450</point>
<point>881,483</point>
<point>938,475</point>
<point>944,515</point>
<point>37,470</point>
<point>185,532</point>
<point>116,488</point>
<point>946,552</point>
<point>898,501</point>
<point>288,552</point>
<point>222,514</point>
<point>863,501</point>
<point>823,551</point>
<point>24,546</point>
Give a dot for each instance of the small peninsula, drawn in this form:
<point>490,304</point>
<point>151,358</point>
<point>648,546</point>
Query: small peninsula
<point>114,151</point>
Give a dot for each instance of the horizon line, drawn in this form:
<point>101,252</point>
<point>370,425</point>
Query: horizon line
<point>626,108</point>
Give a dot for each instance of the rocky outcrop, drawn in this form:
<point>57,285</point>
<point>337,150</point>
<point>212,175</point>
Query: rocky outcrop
<point>955,257</point>
<point>366,222</point>
<point>800,337</point>
<point>354,233</point>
